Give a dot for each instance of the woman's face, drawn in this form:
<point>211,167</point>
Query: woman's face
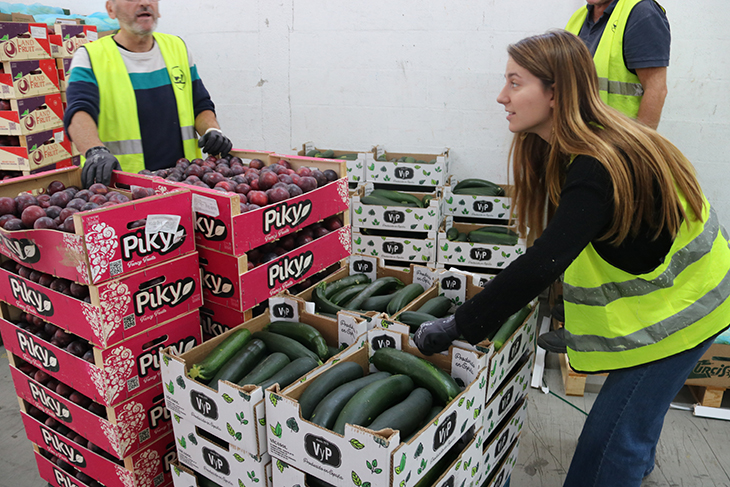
<point>528,103</point>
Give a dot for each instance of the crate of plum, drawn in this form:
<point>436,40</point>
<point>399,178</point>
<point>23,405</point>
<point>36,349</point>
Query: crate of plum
<point>107,376</point>
<point>91,235</point>
<point>146,467</point>
<point>254,198</point>
<point>35,150</point>
<point>243,282</point>
<point>22,40</point>
<point>216,319</point>
<point>110,312</point>
<point>119,430</point>
<point>30,115</point>
<point>21,79</point>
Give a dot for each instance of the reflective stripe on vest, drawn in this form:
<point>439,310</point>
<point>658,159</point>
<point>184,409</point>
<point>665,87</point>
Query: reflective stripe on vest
<point>618,87</point>
<point>118,104</point>
<point>615,320</point>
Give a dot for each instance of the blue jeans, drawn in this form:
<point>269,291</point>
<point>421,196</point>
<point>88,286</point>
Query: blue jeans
<point>619,438</point>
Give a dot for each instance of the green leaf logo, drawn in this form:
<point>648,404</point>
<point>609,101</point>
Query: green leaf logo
<point>356,479</point>
<point>171,388</point>
<point>182,442</point>
<point>276,430</point>
<point>166,360</point>
<point>356,444</point>
<point>399,469</point>
<point>274,399</point>
<point>293,425</point>
<point>281,465</point>
<point>239,458</point>
<point>177,418</point>
<point>227,398</point>
<point>262,421</point>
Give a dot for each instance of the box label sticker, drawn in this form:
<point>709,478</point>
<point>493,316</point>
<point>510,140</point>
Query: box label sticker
<point>206,206</point>
<point>39,32</point>
<point>162,224</point>
<point>283,309</point>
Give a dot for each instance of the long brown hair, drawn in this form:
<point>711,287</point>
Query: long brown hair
<point>644,166</point>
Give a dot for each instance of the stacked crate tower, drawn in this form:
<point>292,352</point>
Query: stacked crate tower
<point>84,315</point>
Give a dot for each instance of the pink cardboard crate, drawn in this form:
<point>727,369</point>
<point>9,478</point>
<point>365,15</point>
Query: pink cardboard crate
<point>63,66</point>
<point>22,40</point>
<point>31,115</point>
<point>118,309</point>
<point>130,424</point>
<point>220,225</point>
<point>21,79</point>
<point>147,467</point>
<point>227,282</point>
<point>103,246</point>
<point>216,319</point>
<point>119,372</point>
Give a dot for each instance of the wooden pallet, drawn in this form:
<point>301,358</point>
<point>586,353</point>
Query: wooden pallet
<point>708,396</point>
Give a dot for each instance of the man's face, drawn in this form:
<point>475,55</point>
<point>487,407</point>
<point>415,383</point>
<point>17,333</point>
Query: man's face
<point>599,3</point>
<point>137,16</point>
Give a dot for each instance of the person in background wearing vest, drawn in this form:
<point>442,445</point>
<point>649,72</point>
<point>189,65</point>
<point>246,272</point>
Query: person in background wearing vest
<point>135,100</point>
<point>646,262</point>
<point>629,41</point>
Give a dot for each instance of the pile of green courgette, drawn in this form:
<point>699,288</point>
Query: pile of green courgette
<point>407,159</point>
<point>478,187</point>
<point>489,234</point>
<point>384,197</point>
<point>356,292</point>
<point>281,353</point>
<point>330,154</point>
<point>400,396</point>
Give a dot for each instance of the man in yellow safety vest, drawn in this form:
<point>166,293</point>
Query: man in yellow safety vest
<point>629,41</point>
<point>135,100</point>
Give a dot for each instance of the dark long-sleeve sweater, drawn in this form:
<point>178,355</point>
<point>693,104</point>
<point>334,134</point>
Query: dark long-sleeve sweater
<point>583,215</point>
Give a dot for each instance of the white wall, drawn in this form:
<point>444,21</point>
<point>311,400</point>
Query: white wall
<point>415,75</point>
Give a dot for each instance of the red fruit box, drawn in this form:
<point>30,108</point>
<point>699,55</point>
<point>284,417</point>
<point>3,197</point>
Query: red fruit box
<point>118,309</point>
<point>21,40</point>
<point>30,115</point>
<point>69,37</point>
<point>21,79</point>
<point>220,225</point>
<point>104,245</point>
<point>227,282</point>
<point>64,66</point>
<point>147,467</point>
<point>216,319</point>
<point>119,372</point>
<point>130,425</point>
<point>35,150</point>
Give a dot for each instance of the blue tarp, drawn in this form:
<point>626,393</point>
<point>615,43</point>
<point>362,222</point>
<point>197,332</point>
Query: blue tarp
<point>48,15</point>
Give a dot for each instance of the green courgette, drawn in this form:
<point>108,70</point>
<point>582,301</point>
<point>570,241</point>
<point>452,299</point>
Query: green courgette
<point>372,400</point>
<point>452,234</point>
<point>312,481</point>
<point>414,319</point>
<point>381,201</point>
<point>407,415</point>
<point>241,363</point>
<point>326,412</point>
<point>509,327</point>
<point>322,304</point>
<point>438,306</point>
<point>344,295</point>
<point>325,383</point>
<point>443,387</point>
<point>305,334</point>
<point>377,303</point>
<point>209,366</point>
<point>333,288</point>
<point>289,346</point>
<point>404,296</point>
<point>492,238</point>
<point>397,196</point>
<point>269,366</point>
<point>379,286</point>
<point>496,229</point>
<point>290,372</point>
<point>432,413</point>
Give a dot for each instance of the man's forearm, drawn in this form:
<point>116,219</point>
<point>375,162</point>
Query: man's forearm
<point>206,120</point>
<point>84,132</point>
<point>654,82</point>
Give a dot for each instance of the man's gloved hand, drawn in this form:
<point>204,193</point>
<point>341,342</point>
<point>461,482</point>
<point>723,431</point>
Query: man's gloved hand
<point>213,142</point>
<point>436,336</point>
<point>99,166</point>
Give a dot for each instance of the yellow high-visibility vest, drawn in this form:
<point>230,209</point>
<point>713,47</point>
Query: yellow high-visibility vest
<point>118,122</point>
<point>618,87</point>
<point>615,320</point>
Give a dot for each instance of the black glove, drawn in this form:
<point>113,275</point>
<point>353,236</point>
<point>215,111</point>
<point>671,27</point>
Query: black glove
<point>436,336</point>
<point>99,166</point>
<point>213,142</point>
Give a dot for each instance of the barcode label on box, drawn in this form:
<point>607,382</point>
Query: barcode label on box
<point>116,267</point>
<point>128,322</point>
<point>13,126</point>
<point>133,383</point>
<point>144,435</point>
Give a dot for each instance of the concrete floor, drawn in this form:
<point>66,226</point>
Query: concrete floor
<point>693,452</point>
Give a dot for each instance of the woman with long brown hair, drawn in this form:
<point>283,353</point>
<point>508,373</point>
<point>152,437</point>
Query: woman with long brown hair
<point>646,263</point>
